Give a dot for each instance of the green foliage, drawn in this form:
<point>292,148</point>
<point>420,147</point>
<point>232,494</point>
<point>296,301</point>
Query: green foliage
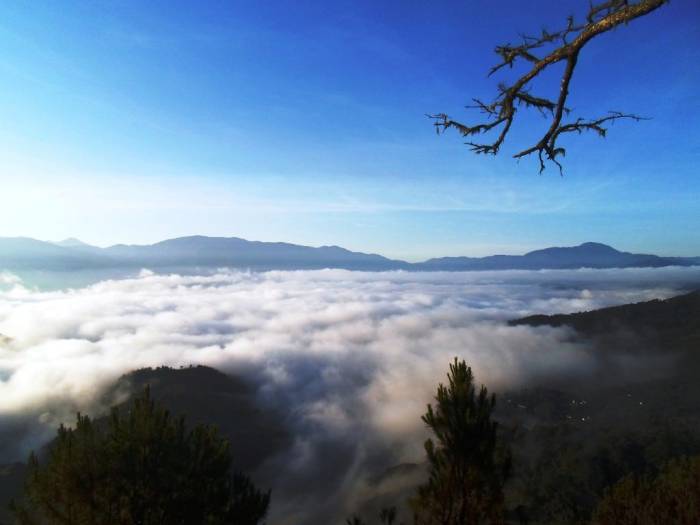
<point>468,466</point>
<point>563,470</point>
<point>672,497</point>
<point>142,466</point>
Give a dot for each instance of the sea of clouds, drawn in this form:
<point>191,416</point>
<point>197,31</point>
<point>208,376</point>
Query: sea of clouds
<point>354,356</point>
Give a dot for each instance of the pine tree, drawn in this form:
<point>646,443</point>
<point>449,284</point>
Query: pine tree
<point>468,466</point>
<point>141,466</point>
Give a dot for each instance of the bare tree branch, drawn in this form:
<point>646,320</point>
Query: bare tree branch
<point>569,42</point>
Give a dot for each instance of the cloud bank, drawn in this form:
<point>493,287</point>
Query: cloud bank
<point>353,357</point>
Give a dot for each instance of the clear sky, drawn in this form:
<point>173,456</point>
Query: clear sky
<point>129,121</point>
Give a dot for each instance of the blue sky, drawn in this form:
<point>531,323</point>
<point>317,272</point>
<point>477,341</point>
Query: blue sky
<point>305,122</point>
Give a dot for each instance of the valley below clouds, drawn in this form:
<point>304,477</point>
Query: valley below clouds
<point>349,358</point>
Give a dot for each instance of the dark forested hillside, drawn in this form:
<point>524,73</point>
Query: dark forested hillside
<point>663,334</point>
<point>639,408</point>
<point>670,319</point>
<point>634,409</point>
<point>205,396</point>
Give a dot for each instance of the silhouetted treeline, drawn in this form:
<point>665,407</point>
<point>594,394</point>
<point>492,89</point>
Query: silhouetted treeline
<point>141,467</point>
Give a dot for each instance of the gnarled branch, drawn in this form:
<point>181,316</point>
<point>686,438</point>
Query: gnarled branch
<point>568,42</point>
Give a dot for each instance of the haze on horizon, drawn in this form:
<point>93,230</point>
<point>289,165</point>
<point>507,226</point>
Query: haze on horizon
<point>129,123</point>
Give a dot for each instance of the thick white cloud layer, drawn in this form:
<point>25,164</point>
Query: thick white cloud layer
<point>351,353</point>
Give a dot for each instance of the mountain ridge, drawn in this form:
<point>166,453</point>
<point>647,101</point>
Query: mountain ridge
<point>199,251</point>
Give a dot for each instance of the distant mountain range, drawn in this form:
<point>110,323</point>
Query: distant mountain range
<point>21,253</point>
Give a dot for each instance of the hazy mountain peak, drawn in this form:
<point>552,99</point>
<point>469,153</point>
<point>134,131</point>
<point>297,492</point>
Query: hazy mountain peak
<point>589,248</point>
<point>199,251</point>
<point>591,244</point>
<point>72,242</point>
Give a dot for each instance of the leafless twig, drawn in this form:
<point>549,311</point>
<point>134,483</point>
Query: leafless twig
<point>501,112</point>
